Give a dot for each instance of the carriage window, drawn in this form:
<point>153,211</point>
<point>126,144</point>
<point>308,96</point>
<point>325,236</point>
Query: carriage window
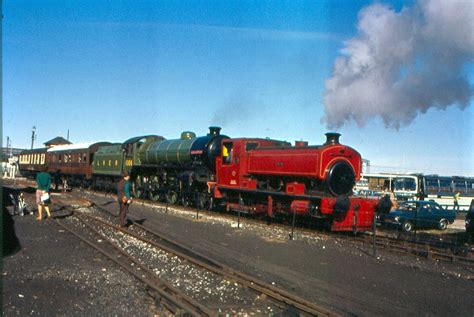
<point>227,153</point>
<point>84,157</point>
<point>60,158</point>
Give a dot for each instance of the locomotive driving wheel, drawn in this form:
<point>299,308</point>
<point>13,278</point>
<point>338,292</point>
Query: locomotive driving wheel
<point>204,201</point>
<point>171,197</point>
<point>185,201</point>
<point>139,193</point>
<point>155,196</point>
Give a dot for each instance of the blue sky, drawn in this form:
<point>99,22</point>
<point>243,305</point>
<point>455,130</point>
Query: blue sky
<point>110,70</point>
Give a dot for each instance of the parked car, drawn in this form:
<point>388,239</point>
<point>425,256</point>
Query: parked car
<point>419,214</point>
<point>470,219</point>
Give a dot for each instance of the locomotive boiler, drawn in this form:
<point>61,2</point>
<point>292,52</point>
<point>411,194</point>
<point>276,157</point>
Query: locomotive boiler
<point>178,170</point>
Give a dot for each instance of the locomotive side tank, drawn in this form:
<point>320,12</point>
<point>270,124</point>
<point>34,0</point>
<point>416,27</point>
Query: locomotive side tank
<point>330,168</point>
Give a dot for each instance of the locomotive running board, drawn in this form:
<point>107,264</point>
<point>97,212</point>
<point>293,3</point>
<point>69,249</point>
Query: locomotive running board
<point>271,193</point>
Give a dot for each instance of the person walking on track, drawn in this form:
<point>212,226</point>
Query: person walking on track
<point>124,198</point>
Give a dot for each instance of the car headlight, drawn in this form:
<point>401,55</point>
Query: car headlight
<point>468,221</point>
<point>396,218</point>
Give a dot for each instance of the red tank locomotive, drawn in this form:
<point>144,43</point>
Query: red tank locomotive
<point>269,176</point>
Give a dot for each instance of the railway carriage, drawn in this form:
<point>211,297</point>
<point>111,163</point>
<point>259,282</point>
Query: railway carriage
<point>73,162</point>
<point>32,161</point>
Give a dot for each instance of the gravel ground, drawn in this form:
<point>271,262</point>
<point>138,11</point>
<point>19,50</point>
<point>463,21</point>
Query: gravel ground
<point>208,288</point>
<point>334,273</point>
<point>54,274</point>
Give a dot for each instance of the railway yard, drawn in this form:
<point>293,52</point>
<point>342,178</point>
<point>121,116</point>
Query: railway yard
<point>173,260</point>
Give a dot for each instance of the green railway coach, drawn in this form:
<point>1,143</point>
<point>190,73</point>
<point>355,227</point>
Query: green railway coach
<point>112,160</point>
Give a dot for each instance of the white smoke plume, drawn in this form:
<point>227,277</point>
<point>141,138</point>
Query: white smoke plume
<point>403,63</point>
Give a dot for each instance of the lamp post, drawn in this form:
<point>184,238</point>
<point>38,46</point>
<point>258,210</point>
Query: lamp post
<point>9,150</point>
<point>33,136</point>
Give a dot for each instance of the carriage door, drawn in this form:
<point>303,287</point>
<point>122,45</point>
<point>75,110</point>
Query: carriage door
<point>230,165</point>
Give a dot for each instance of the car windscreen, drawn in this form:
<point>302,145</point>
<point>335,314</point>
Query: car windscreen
<point>407,207</point>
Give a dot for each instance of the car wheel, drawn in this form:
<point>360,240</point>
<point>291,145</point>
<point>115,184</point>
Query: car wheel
<point>443,224</point>
<point>407,226</point>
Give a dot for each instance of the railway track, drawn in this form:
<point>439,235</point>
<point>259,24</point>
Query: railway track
<point>175,298</point>
<point>426,246</point>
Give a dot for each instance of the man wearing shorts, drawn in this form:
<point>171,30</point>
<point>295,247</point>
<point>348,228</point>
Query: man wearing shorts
<point>43,182</point>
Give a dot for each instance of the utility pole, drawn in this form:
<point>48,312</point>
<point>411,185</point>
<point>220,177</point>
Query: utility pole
<point>68,134</point>
<point>33,136</point>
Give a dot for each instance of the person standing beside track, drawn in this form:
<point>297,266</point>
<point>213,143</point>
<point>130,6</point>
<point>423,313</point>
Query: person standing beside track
<point>43,182</point>
<point>456,201</point>
<point>124,198</point>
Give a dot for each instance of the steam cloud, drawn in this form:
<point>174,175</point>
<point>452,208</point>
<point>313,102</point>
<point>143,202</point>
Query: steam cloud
<point>403,63</point>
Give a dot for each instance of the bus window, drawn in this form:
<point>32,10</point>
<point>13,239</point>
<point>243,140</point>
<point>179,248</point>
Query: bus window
<point>460,185</point>
<point>445,185</point>
<point>402,183</point>
<point>470,186</point>
<point>431,185</point>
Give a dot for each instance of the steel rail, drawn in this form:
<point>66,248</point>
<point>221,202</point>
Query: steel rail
<point>436,251</point>
<point>271,291</point>
<point>181,301</point>
<point>422,243</point>
<point>176,292</point>
<point>413,248</point>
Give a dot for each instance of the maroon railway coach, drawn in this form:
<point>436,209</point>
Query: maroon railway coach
<point>32,161</point>
<point>73,161</point>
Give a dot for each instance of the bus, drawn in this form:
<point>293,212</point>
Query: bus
<point>440,189</point>
<point>404,186</point>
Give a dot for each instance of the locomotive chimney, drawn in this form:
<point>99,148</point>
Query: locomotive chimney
<point>301,143</point>
<point>214,131</point>
<point>332,138</point>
